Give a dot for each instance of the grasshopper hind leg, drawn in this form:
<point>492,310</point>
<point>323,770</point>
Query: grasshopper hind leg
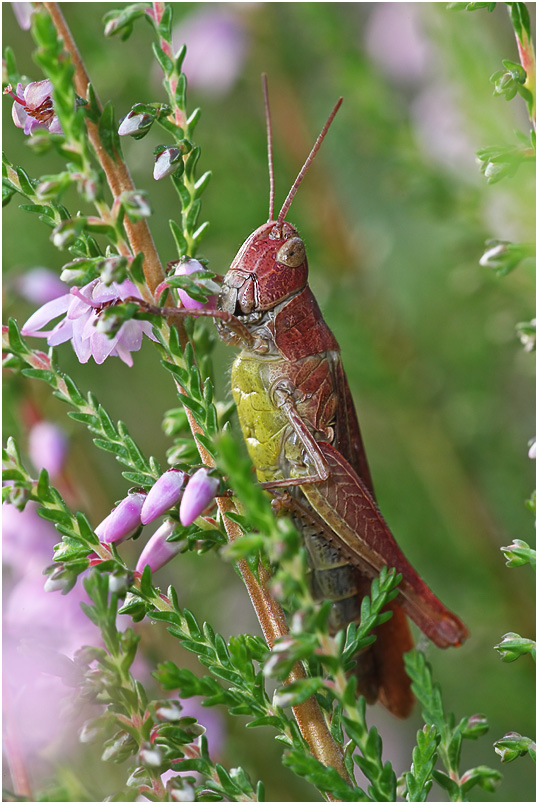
<point>380,667</point>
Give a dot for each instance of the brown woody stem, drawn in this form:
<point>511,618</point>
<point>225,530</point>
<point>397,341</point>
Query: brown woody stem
<point>116,171</point>
<point>308,715</point>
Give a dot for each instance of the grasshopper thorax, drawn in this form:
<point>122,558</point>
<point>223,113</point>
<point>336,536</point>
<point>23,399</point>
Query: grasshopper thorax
<point>270,267</point>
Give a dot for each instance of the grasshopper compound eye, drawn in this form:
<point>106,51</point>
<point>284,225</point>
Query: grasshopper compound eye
<point>292,253</point>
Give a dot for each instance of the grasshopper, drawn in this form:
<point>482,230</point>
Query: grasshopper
<point>301,430</point>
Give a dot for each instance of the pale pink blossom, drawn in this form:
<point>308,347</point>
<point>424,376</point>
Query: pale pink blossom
<point>167,162</point>
<point>123,521</point>
<point>158,550</point>
<point>185,267</point>
<point>47,446</point>
<point>199,492</point>
<point>216,48</point>
<point>396,41</point>
<point>27,539</point>
<point>165,493</point>
<point>78,325</point>
<point>39,285</point>
<point>135,123</point>
<point>33,108</point>
<point>23,13</point>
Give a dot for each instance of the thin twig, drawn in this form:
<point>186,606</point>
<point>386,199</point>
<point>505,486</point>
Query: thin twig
<point>271,617</point>
<point>116,171</point>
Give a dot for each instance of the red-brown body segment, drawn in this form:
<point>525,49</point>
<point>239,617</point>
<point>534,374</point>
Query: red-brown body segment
<point>297,414</point>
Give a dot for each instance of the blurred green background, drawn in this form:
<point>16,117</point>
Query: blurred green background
<point>395,214</point>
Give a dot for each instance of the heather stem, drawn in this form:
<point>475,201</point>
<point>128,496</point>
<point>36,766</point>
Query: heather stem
<point>14,756</point>
<point>116,171</point>
<point>527,58</point>
<point>308,715</point>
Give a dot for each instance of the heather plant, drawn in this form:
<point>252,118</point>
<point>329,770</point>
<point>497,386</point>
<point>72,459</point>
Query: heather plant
<point>159,720</point>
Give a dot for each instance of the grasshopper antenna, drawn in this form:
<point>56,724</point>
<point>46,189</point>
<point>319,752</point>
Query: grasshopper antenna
<point>270,146</point>
<point>305,168</point>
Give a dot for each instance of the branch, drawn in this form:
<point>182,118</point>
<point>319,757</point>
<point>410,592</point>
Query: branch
<point>116,171</point>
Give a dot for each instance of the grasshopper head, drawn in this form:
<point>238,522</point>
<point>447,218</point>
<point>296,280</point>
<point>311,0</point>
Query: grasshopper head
<point>270,267</point>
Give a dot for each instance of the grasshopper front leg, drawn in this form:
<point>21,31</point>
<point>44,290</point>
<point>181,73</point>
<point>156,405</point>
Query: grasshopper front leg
<point>243,335</point>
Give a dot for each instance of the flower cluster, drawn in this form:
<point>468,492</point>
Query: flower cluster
<point>79,325</point>
<point>40,632</point>
<point>140,508</point>
<point>47,447</point>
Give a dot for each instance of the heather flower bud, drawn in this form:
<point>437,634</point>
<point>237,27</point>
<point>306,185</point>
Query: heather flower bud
<point>151,757</point>
<point>512,646</point>
<point>158,550</point>
<point>513,745</point>
<point>527,333</point>
<point>184,794</point>
<point>171,711</point>
<point>476,726</point>
<point>494,257</point>
<point>114,269</point>
<point>90,732</point>
<point>167,162</point>
<point>518,553</point>
<point>119,748</point>
<point>124,520</point>
<point>73,275</point>
<point>54,583</point>
<point>506,82</point>
<point>283,699</point>
<point>135,204</point>
<point>66,233</point>
<point>135,123</point>
<point>118,583</point>
<point>532,449</point>
<point>49,189</point>
<point>185,267</point>
<point>199,493</point>
<point>23,13</point>
<point>165,493</point>
<point>138,777</point>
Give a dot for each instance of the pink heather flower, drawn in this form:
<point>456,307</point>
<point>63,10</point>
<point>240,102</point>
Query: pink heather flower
<point>123,521</point>
<point>40,285</point>
<point>164,494</point>
<point>186,266</point>
<point>198,494</point>
<point>23,13</point>
<point>48,618</point>
<point>33,108</point>
<point>27,540</point>
<point>440,128</point>
<point>39,628</point>
<point>47,446</point>
<point>167,163</point>
<point>78,325</point>
<point>216,49</point>
<point>396,41</point>
<point>158,551</point>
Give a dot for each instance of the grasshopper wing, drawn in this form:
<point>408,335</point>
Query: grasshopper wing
<point>361,534</point>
